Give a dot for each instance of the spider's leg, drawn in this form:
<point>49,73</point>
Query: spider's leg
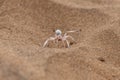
<point>63,43</point>
<point>71,32</point>
<point>68,36</point>
<point>68,45</point>
<point>57,42</point>
<point>49,39</point>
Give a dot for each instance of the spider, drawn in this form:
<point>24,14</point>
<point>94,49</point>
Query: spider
<point>58,37</point>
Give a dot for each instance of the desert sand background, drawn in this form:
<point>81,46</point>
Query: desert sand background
<point>26,24</point>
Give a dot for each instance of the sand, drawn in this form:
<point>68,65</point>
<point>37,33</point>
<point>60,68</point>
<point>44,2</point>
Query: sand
<point>26,24</point>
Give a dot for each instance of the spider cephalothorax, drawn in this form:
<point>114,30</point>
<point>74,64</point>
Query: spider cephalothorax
<point>59,37</point>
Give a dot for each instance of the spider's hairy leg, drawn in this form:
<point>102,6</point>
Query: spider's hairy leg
<point>68,44</point>
<point>72,32</point>
<point>68,36</point>
<point>49,39</point>
<point>63,43</point>
<point>57,42</point>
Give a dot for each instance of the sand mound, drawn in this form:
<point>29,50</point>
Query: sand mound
<point>45,19</point>
<point>26,24</point>
<point>55,16</point>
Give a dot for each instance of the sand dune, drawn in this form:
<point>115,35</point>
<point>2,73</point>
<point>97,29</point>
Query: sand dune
<point>26,24</point>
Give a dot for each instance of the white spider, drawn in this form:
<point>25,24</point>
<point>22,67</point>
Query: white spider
<point>59,37</point>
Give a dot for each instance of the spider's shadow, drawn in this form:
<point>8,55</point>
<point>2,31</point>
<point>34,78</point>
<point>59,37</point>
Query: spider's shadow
<point>60,45</point>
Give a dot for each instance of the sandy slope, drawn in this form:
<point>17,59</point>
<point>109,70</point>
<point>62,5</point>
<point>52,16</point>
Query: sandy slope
<point>26,24</point>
